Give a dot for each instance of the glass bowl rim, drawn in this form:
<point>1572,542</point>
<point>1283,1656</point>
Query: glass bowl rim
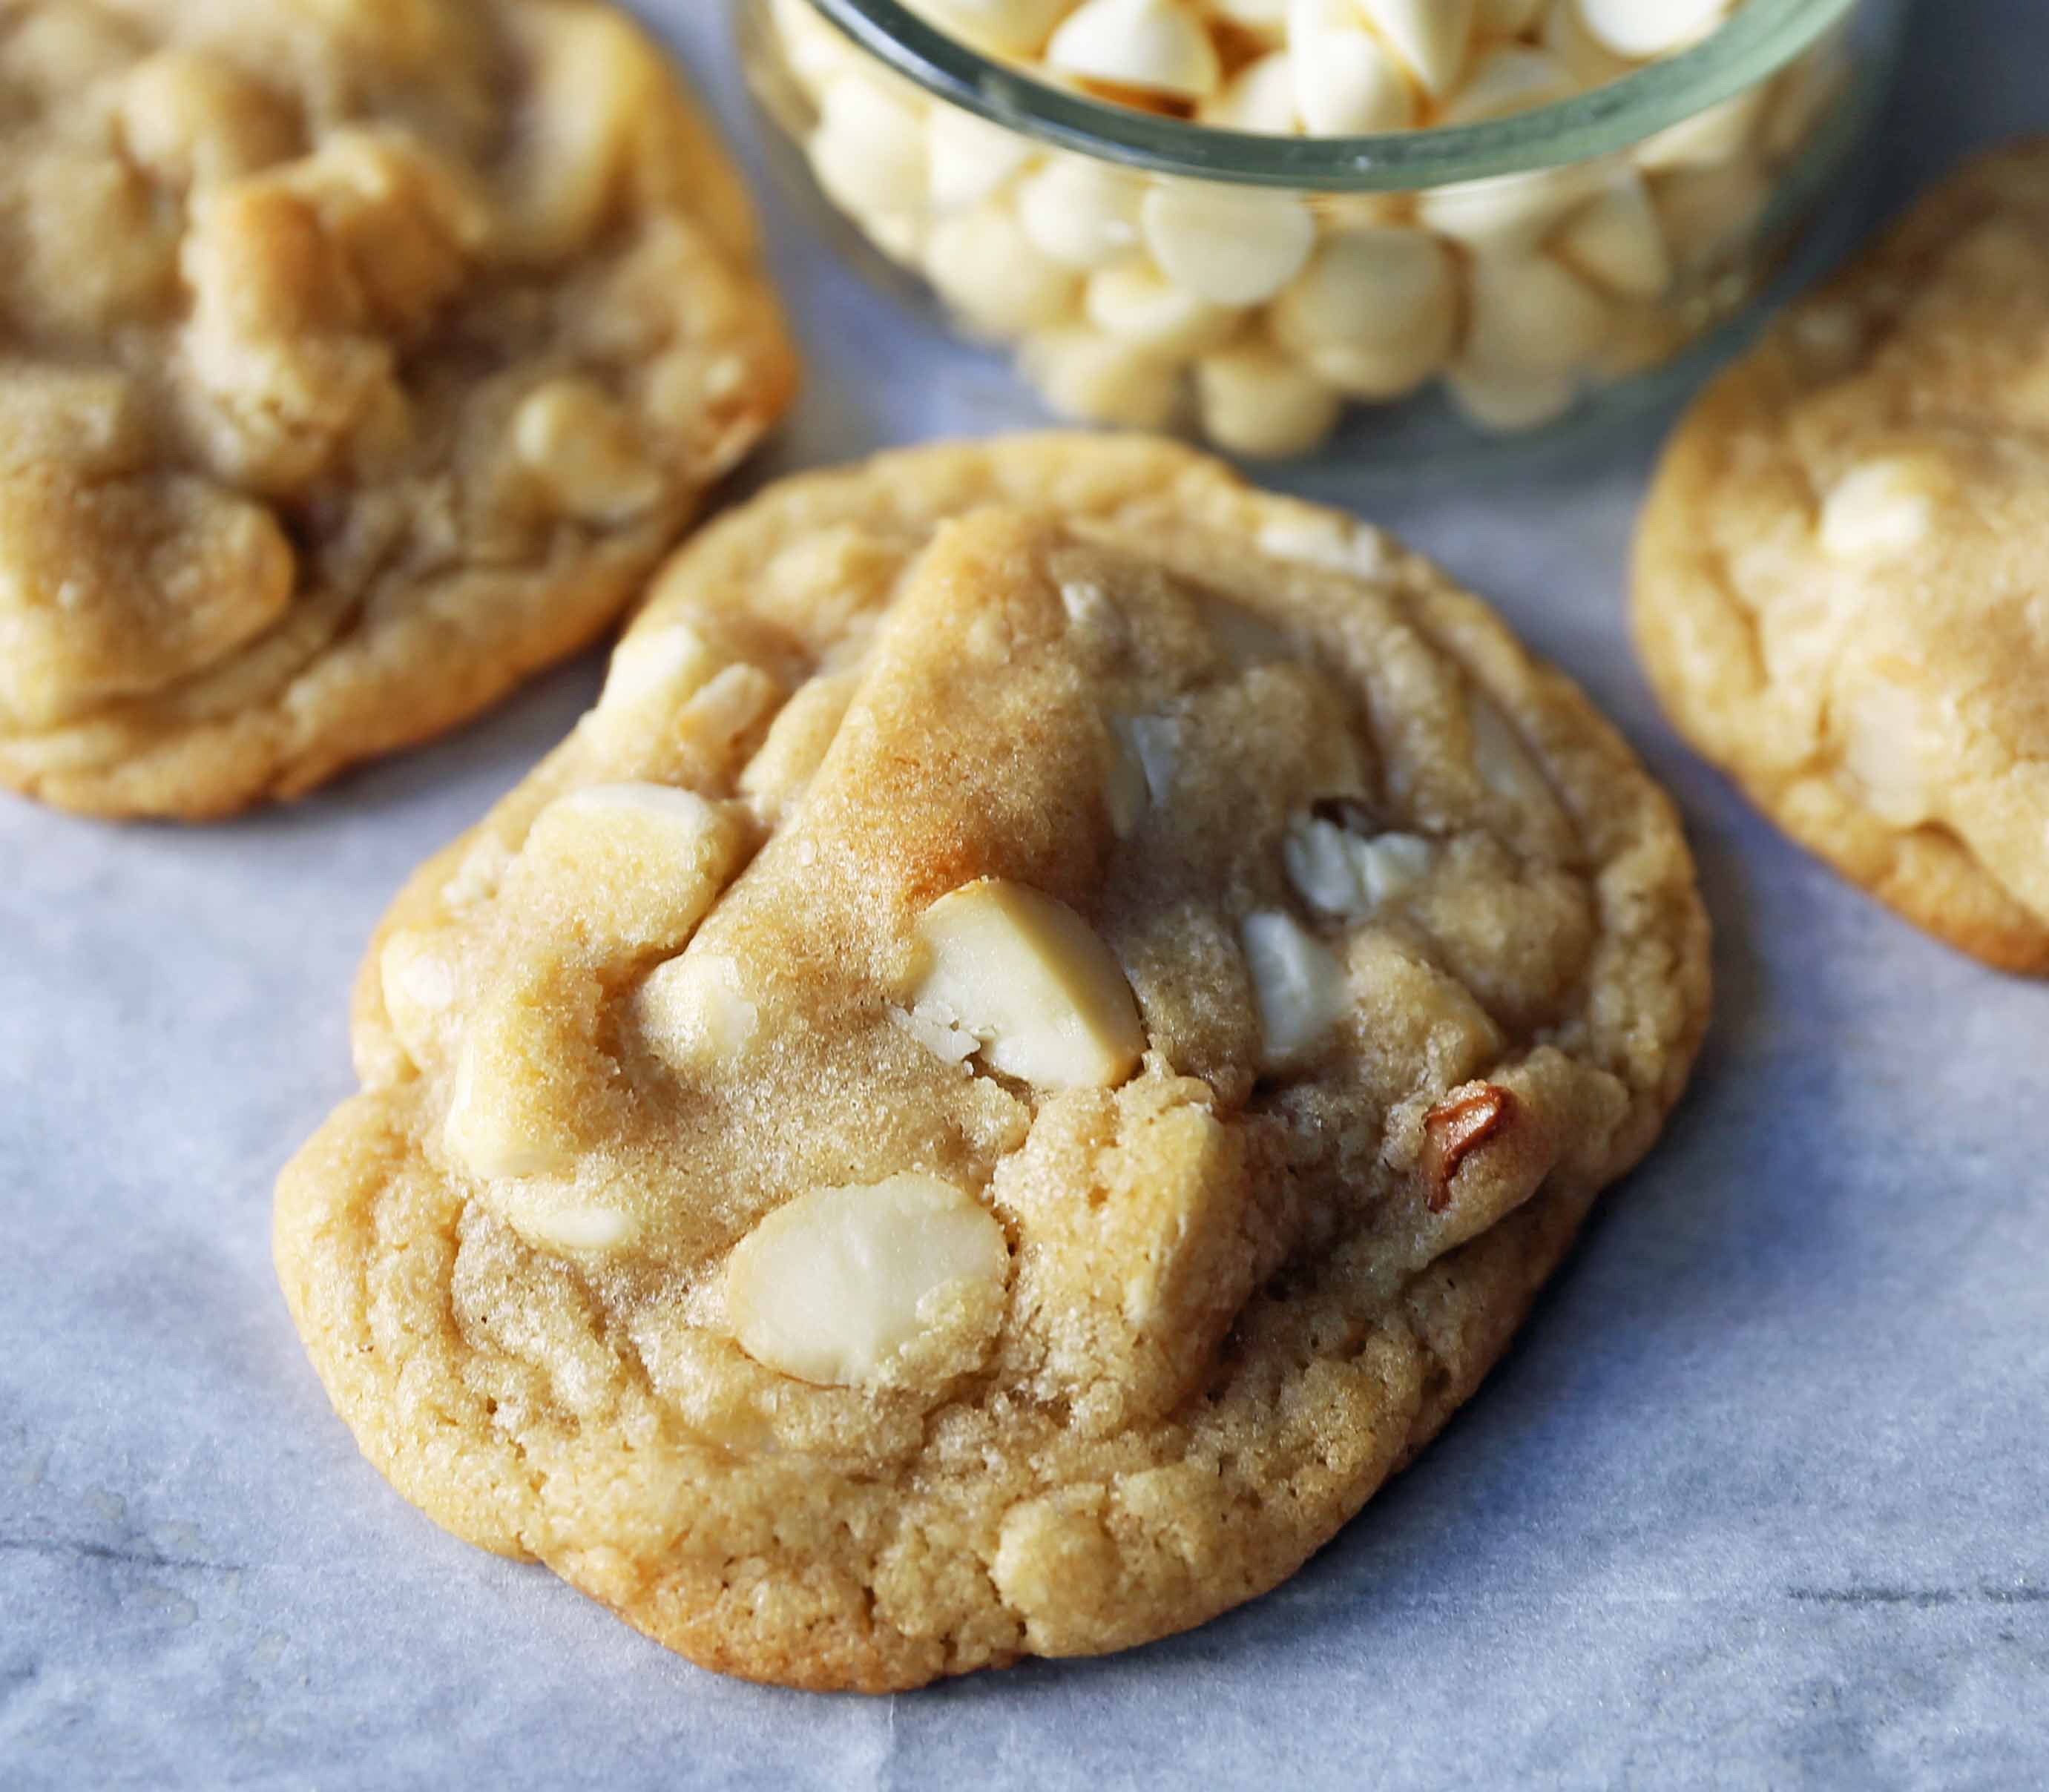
<point>1759,40</point>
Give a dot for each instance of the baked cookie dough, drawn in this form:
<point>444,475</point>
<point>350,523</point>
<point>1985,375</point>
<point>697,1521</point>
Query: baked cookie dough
<point>357,358</point>
<point>1842,576</point>
<point>1037,1043</point>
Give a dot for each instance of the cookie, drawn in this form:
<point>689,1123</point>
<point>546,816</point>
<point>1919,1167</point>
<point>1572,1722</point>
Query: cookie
<point>1841,573</point>
<point>360,360</point>
<point>1037,1043</point>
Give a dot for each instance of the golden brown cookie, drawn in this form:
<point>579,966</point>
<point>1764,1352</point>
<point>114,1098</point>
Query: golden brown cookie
<point>1033,1046</point>
<point>356,359</point>
<point>1842,576</point>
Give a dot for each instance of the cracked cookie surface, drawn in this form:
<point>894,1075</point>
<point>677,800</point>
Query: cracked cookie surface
<point>1842,574</point>
<point>356,359</point>
<point>1033,1047</point>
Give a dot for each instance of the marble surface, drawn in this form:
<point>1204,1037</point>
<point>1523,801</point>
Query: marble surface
<point>1759,1499</point>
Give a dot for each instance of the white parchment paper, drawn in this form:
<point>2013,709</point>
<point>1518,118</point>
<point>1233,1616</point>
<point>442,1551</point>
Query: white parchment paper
<point>1759,1499</point>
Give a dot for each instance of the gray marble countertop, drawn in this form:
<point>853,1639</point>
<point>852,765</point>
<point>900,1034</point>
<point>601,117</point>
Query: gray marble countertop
<point>1759,1500</point>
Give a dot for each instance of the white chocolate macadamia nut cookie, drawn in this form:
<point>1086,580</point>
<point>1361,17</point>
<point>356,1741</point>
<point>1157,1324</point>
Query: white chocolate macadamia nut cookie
<point>1034,1046</point>
<point>362,357</point>
<point>1842,572</point>
<point>1255,314</point>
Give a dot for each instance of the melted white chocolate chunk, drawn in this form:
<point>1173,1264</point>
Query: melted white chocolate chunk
<point>419,981</point>
<point>1878,508</point>
<point>658,665</point>
<point>1298,985</point>
<point>499,1123</point>
<point>638,864</point>
<point>1352,874</point>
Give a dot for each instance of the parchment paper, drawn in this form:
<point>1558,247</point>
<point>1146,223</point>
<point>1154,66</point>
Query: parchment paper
<point>1759,1500</point>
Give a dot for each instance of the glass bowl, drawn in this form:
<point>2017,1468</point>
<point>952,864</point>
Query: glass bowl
<point>1409,294</point>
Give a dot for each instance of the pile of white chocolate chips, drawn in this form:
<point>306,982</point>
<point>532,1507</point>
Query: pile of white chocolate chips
<point>1134,298</point>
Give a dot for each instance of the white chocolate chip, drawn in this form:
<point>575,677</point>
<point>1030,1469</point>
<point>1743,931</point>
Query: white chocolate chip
<point>1617,242</point>
<point>663,665</point>
<point>1877,510</point>
<point>967,158</point>
<point>1132,301</point>
<point>1374,312</point>
<point>1029,977</point>
<point>1508,400</point>
<point>641,863</point>
<point>1127,793</point>
<point>1430,36</point>
<point>591,75</point>
<point>1509,79</point>
<point>582,448</point>
<point>774,779</point>
<point>818,53</point>
<point>1260,401</point>
<point>1346,82</point>
<point>1089,608</point>
<point>1259,98</point>
<point>729,703</point>
<point>1528,315</point>
<point>494,1129</point>
<point>478,876</point>
<point>1709,137</point>
<point>1884,752</point>
<point>1642,28</point>
<point>695,1011</point>
<point>869,150</point>
<point>666,816</point>
<point>650,823</point>
<point>1003,28</point>
<point>681,383</point>
<point>574,1228</point>
<point>417,976</point>
<point>1001,285</point>
<point>1341,546</point>
<point>1152,46</point>
<point>1390,865</point>
<point>900,235</point>
<point>1318,856</point>
<point>1564,34</point>
<point>625,869</point>
<point>1231,248</point>
<point>1298,987</point>
<point>1079,212</point>
<point>1503,761</point>
<point>838,1285</point>
<point>1375,372</point>
<point>1098,378</point>
<point>1506,211</point>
